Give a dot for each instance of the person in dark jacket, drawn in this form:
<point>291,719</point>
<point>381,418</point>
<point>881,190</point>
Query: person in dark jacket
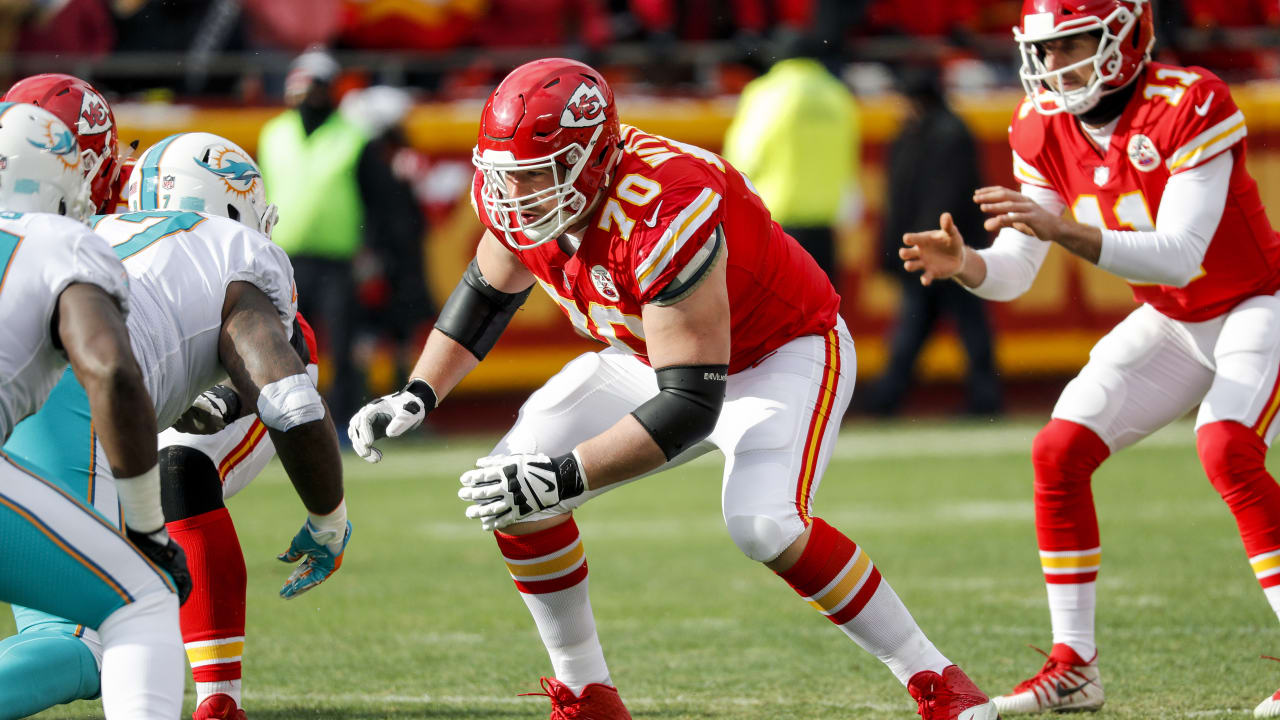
<point>933,168</point>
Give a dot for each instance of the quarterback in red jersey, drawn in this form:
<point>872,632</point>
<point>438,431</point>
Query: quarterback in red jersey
<point>1150,159</point>
<point>722,334</point>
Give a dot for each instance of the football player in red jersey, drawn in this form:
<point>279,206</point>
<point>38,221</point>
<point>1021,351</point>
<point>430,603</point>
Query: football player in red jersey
<point>721,332</point>
<point>1150,159</point>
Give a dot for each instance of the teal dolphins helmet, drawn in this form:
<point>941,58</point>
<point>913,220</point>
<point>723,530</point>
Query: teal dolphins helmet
<point>201,172</point>
<point>41,168</point>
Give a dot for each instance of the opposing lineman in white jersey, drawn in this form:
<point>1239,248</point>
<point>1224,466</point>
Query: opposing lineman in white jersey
<point>62,298</point>
<point>211,298</point>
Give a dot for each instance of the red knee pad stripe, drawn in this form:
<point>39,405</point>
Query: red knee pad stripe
<point>824,556</point>
<point>546,561</point>
<point>1072,579</point>
<point>859,601</point>
<point>222,672</point>
<point>534,545</point>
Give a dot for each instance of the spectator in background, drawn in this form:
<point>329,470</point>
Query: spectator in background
<point>317,170</point>
<point>394,299</point>
<point>795,135</point>
<point>933,168</point>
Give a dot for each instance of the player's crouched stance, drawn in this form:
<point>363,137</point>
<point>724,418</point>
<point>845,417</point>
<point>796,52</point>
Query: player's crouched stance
<point>723,333</point>
<point>1113,136</point>
<point>212,298</point>
<point>62,298</point>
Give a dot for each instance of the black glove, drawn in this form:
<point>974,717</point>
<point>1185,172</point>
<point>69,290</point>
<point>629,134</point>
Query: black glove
<point>160,549</point>
<point>213,410</point>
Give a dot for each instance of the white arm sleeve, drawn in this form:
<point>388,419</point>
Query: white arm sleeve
<point>1185,223</point>
<point>1015,257</point>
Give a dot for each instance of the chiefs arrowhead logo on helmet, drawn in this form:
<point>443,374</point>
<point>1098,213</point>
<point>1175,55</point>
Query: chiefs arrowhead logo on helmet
<point>94,117</point>
<point>585,107</point>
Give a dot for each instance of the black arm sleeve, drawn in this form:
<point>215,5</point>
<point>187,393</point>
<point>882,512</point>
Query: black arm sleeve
<point>686,408</point>
<point>476,313</point>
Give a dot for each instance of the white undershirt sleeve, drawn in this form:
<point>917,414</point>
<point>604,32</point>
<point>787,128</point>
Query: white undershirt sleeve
<point>1015,257</point>
<point>1189,213</point>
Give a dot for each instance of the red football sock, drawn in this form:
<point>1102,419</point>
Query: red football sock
<point>1064,456</point>
<point>213,617</point>
<point>1234,457</point>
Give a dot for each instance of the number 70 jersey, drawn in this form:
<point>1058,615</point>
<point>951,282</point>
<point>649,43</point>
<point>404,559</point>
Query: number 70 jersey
<point>179,266</point>
<point>1178,119</point>
<point>670,209</point>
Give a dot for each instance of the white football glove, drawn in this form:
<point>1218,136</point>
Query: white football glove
<point>507,488</point>
<point>213,410</point>
<point>390,416</point>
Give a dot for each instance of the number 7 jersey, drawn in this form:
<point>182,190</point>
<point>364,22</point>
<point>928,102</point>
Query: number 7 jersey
<point>179,266</point>
<point>670,211</point>
<point>1178,119</point>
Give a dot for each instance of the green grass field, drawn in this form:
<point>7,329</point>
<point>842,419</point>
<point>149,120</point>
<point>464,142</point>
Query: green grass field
<point>423,621</point>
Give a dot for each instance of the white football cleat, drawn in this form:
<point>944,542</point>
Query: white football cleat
<point>1067,682</point>
<point>1271,706</point>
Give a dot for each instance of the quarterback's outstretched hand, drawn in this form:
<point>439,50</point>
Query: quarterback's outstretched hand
<point>504,489</point>
<point>935,254</point>
<point>323,557</point>
<point>213,410</point>
<point>1009,208</point>
<point>390,416</point>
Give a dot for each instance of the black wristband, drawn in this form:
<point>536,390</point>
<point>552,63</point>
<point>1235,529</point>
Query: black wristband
<point>420,389</point>
<point>568,475</point>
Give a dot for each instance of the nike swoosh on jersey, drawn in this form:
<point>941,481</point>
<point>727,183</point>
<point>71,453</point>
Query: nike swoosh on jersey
<point>1203,108</point>
<point>653,219</point>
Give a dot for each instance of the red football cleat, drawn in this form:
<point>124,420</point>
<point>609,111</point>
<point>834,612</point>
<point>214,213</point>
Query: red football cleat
<point>950,696</point>
<point>597,702</point>
<point>218,706</point>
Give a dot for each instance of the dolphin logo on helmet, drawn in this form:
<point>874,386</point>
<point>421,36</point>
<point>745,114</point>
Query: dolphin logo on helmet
<point>235,170</point>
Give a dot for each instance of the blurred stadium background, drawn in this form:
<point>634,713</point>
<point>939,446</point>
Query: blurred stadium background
<point>954,519</point>
<point>677,67</point>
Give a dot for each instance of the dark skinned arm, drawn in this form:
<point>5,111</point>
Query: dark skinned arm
<point>255,351</point>
<point>93,333</point>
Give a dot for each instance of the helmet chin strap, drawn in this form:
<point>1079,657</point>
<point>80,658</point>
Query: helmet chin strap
<point>1110,105</point>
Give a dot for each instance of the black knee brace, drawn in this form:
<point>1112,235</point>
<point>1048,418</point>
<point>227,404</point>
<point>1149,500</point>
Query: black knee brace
<point>189,483</point>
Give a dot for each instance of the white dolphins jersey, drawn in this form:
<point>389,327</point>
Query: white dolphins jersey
<point>40,255</point>
<point>179,266</point>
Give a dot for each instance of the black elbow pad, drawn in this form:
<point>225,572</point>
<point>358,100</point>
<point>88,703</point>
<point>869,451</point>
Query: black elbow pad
<point>686,408</point>
<point>476,313</point>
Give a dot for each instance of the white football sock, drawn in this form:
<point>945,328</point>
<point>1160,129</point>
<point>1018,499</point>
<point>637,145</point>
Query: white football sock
<point>143,661</point>
<point>225,687</point>
<point>1071,611</point>
<point>884,627</point>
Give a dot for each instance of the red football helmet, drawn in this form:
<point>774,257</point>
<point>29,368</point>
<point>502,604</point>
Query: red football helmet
<point>1127,34</point>
<point>555,115</point>
<point>78,105</point>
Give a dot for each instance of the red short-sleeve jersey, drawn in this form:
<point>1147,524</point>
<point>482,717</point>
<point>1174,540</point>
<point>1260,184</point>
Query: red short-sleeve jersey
<point>1178,119</point>
<point>656,225</point>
